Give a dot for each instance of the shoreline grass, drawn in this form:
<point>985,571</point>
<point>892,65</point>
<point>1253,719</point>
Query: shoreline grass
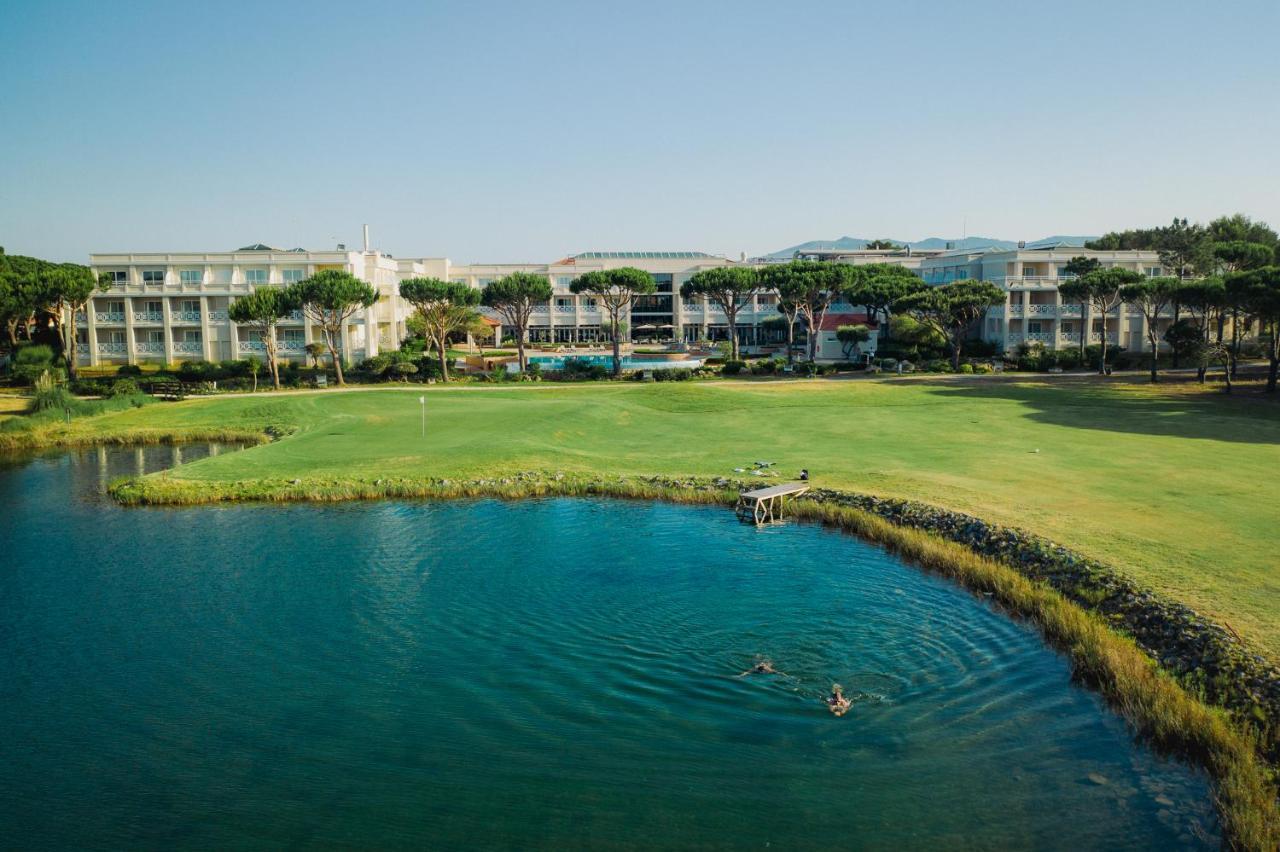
<point>1159,710</point>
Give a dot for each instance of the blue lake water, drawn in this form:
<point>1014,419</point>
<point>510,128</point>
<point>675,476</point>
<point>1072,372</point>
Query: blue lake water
<point>546,674</point>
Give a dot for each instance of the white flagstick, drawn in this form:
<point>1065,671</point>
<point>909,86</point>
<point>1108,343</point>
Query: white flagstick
<point>423,400</point>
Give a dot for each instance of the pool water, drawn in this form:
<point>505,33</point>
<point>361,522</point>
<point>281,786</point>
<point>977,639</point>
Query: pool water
<point>546,674</point>
<point>556,362</point>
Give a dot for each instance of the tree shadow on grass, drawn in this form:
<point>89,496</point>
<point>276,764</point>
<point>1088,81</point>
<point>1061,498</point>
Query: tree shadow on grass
<point>1175,408</point>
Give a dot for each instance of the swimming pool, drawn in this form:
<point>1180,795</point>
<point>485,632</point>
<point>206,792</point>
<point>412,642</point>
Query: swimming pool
<point>556,362</point>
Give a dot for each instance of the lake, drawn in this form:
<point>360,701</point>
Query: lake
<point>544,674</point>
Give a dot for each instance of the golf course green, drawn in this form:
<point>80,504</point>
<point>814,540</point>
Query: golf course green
<point>1172,484</point>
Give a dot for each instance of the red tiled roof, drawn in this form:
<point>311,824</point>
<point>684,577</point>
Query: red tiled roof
<point>831,322</point>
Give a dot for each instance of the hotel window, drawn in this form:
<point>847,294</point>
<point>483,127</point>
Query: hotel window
<point>564,281</point>
<point>118,277</point>
<point>153,276</point>
<point>564,303</point>
<point>1068,328</point>
<point>154,337</point>
<point>255,276</point>
<point>116,338</point>
<point>1033,327</point>
<point>292,337</point>
<point>191,306</point>
<point>156,307</point>
<point>293,276</point>
<point>190,276</point>
<point>1153,272</point>
<point>590,302</point>
<point>82,336</point>
<point>191,336</point>
<point>962,274</point>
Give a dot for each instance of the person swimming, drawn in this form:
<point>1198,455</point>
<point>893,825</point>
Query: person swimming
<point>764,665</point>
<point>836,702</point>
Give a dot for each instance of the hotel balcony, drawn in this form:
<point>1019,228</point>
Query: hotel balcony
<point>150,317</point>
<point>1014,310</point>
<point>149,347</point>
<point>1042,310</point>
<point>111,348</point>
<point>109,317</point>
<point>218,316</point>
<point>565,309</point>
<point>185,317</point>
<point>188,347</point>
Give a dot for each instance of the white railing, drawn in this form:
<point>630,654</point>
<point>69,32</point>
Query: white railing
<point>188,347</point>
<point>293,316</point>
<point>564,309</point>
<point>148,316</point>
<point>116,317</point>
<point>540,309</point>
<point>1069,336</point>
<point>111,348</point>
<point>1043,310</point>
<point>252,346</point>
<point>292,346</point>
<point>81,319</point>
<point>1012,337</point>
<point>1013,310</point>
<point>186,316</point>
<point>1068,310</point>
<point>149,347</point>
<point>693,308</point>
<point>217,316</point>
<point>1039,336</point>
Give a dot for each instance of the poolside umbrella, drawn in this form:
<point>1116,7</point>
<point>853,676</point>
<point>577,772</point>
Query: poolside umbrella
<point>666,325</point>
<point>645,327</point>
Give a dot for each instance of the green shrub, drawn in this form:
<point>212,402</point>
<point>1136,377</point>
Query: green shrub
<point>32,361</point>
<point>733,368</point>
<point>967,369</point>
<point>764,367</point>
<point>123,387</point>
<point>129,370</point>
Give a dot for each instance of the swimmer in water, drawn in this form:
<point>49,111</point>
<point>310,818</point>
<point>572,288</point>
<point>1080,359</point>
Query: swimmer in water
<point>763,666</point>
<point>836,702</point>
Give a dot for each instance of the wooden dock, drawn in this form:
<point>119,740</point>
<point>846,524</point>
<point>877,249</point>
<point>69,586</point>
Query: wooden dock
<point>764,505</point>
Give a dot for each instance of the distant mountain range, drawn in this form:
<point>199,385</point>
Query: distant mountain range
<point>966,243</point>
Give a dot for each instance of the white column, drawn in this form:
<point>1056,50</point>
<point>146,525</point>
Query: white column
<point>167,304</point>
<point>91,326</point>
<point>204,328</point>
<point>129,342</point>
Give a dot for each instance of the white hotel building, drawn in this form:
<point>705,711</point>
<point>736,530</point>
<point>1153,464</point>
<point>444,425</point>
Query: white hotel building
<point>1033,310</point>
<point>172,307</point>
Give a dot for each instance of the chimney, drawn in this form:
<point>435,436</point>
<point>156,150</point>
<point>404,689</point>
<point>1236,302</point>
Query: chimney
<point>366,238</point>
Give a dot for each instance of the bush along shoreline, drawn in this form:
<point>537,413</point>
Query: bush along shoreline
<point>1186,684</point>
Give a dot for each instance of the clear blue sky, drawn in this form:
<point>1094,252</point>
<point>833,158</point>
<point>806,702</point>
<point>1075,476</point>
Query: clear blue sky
<point>524,131</point>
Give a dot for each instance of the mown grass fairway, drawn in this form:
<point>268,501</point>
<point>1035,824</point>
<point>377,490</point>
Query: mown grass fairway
<point>1172,484</point>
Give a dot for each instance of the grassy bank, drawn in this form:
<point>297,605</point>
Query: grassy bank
<point>1158,708</point>
<point>1167,483</point>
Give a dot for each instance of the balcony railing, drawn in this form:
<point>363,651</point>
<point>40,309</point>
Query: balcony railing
<point>540,309</point>
<point>148,316</point>
<point>1013,310</point>
<point>109,317</point>
<point>188,347</point>
<point>1068,310</point>
<point>81,319</point>
<point>691,308</point>
<point>217,316</point>
<point>565,309</point>
<point>111,348</point>
<point>149,347</point>
<point>186,316</point>
<point>292,346</point>
<point>252,346</point>
<point>1045,310</point>
<point>292,316</point>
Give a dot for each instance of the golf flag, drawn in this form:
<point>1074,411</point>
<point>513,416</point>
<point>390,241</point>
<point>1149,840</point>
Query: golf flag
<point>422,399</point>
